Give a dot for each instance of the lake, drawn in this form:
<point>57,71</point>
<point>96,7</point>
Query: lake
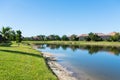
<point>91,62</point>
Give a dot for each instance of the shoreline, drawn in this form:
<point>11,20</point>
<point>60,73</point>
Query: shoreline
<point>77,43</point>
<point>57,69</point>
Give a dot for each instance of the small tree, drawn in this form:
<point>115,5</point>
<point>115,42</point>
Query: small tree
<point>51,37</point>
<point>64,38</point>
<point>5,32</point>
<point>1,38</point>
<point>41,37</point>
<point>57,37</point>
<point>116,37</point>
<point>73,37</point>
<point>93,37</point>
<point>87,38</point>
<point>18,36</point>
<point>12,36</point>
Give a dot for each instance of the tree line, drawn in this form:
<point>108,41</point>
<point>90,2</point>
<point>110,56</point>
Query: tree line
<point>91,37</point>
<point>7,34</point>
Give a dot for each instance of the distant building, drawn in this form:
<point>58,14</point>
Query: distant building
<point>35,38</point>
<point>112,33</point>
<point>102,35</point>
<point>82,37</point>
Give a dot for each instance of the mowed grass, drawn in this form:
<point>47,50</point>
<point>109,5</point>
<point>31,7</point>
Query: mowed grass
<point>100,43</point>
<point>23,63</point>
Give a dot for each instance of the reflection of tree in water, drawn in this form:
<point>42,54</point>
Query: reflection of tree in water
<point>115,50</point>
<point>92,49</point>
<point>95,49</point>
<point>57,46</point>
<point>41,46</point>
<point>53,46</point>
<point>64,47</point>
<point>74,48</point>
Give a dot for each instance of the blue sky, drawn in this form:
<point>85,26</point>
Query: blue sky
<point>60,17</point>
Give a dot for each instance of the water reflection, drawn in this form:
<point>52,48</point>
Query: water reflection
<point>91,49</point>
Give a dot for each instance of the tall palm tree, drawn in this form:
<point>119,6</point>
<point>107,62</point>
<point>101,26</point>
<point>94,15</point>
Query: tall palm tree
<point>5,32</point>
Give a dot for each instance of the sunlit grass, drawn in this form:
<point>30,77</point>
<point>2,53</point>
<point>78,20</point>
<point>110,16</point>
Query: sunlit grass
<point>23,63</point>
<point>101,43</point>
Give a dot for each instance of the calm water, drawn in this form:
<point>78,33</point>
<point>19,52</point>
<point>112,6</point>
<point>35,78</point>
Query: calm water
<point>91,62</point>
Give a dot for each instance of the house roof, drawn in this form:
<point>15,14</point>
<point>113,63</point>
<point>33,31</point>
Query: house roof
<point>112,33</point>
<point>100,34</point>
<point>83,35</point>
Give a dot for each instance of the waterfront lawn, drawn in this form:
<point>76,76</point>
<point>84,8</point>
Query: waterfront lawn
<point>23,63</point>
<point>99,43</point>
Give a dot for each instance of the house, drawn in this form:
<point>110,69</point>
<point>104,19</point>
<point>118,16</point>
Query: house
<point>102,35</point>
<point>82,37</point>
<point>35,38</point>
<point>112,33</point>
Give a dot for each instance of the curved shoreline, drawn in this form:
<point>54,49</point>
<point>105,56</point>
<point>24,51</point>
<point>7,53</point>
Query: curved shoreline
<point>58,70</point>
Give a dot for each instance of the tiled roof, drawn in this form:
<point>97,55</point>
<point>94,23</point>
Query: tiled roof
<point>112,33</point>
<point>83,35</point>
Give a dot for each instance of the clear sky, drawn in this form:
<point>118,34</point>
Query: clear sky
<point>35,17</point>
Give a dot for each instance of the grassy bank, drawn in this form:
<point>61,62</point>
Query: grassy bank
<point>102,43</point>
<point>23,63</point>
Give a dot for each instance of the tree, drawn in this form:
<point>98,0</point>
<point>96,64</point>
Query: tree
<point>97,38</point>
<point>87,38</point>
<point>73,37</point>
<point>116,37</point>
<point>51,37</point>
<point>57,37</point>
<point>93,37</point>
<point>64,38</point>
<point>18,36</point>
<point>41,37</point>
<point>5,32</point>
<point>12,35</point>
<point>1,38</point>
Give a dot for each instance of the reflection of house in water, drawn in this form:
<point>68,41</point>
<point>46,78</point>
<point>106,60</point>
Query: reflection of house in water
<point>102,35</point>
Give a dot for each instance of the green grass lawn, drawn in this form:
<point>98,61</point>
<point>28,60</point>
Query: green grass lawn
<point>23,63</point>
<point>100,43</point>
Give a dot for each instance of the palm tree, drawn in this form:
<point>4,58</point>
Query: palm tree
<point>12,35</point>
<point>5,32</point>
<point>18,36</point>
